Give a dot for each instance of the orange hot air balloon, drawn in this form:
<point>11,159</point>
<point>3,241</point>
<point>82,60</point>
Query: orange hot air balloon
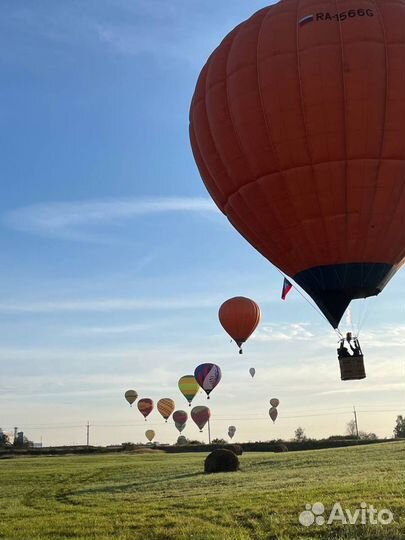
<point>297,127</point>
<point>166,406</point>
<point>145,406</point>
<point>239,317</point>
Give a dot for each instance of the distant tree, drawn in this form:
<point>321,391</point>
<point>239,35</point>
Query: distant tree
<point>219,441</point>
<point>182,440</point>
<point>128,445</point>
<point>4,439</point>
<point>351,429</point>
<point>367,436</point>
<point>299,435</point>
<point>399,429</point>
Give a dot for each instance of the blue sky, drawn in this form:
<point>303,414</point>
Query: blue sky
<point>114,259</point>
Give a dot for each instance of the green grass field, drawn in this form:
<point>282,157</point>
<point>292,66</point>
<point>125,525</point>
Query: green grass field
<point>167,497</point>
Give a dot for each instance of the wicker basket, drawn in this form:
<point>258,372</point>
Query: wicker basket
<point>352,368</point>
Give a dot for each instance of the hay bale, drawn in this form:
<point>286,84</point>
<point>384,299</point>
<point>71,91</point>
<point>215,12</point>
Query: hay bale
<point>281,448</point>
<point>221,460</point>
<point>235,448</point>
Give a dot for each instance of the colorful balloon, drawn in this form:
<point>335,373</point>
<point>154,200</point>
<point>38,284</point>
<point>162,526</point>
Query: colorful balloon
<point>188,387</point>
<point>239,317</point>
<point>231,431</point>
<point>252,371</point>
<point>273,412</point>
<point>150,434</point>
<point>166,406</point>
<point>208,376</point>
<point>200,416</point>
<point>131,396</point>
<point>274,402</point>
<point>145,406</point>
<point>297,129</point>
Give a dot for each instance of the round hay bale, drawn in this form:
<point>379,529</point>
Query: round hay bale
<point>221,460</point>
<point>281,448</point>
<point>235,448</point>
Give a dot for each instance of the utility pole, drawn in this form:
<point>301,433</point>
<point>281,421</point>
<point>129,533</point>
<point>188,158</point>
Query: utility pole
<point>88,433</point>
<point>355,421</point>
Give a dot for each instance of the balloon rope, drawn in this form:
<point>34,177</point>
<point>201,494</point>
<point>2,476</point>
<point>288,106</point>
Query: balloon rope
<point>338,332</point>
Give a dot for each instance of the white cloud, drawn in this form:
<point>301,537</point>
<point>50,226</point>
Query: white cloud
<point>283,332</point>
<point>108,305</point>
<point>69,220</point>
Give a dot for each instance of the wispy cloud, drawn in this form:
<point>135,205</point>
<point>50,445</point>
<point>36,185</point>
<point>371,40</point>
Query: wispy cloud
<point>72,220</point>
<point>283,332</point>
<point>109,304</point>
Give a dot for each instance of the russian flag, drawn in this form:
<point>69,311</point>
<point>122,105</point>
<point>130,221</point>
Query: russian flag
<point>287,286</point>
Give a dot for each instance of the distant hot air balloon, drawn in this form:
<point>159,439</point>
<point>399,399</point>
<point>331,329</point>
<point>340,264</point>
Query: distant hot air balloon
<point>252,371</point>
<point>273,414</point>
<point>274,402</point>
<point>150,434</point>
<point>208,376</point>
<point>180,426</point>
<point>131,396</point>
<point>298,131</point>
<point>231,431</point>
<point>145,406</point>
<point>200,416</point>
<point>166,406</point>
<point>239,317</point>
<point>188,387</point>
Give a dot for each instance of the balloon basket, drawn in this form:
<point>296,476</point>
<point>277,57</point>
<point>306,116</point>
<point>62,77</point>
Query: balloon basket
<point>352,368</point>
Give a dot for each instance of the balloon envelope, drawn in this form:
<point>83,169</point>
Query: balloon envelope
<point>180,417</point>
<point>180,426</point>
<point>145,406</point>
<point>131,396</point>
<point>208,376</point>
<point>200,415</point>
<point>296,126</point>
<point>188,387</point>
<point>273,413</point>
<point>231,431</point>
<point>166,406</point>
<point>252,371</point>
<point>274,402</point>
<point>239,317</point>
<point>150,434</point>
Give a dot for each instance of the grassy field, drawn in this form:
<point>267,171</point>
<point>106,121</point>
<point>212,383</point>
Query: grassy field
<point>167,497</point>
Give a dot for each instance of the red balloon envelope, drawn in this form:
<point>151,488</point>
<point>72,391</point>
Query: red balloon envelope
<point>239,317</point>
<point>180,417</point>
<point>145,406</point>
<point>200,416</point>
<point>297,127</point>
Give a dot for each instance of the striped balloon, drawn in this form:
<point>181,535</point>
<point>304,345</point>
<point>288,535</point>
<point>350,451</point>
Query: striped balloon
<point>208,376</point>
<point>189,387</point>
<point>131,396</point>
<point>166,406</point>
<point>145,406</point>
